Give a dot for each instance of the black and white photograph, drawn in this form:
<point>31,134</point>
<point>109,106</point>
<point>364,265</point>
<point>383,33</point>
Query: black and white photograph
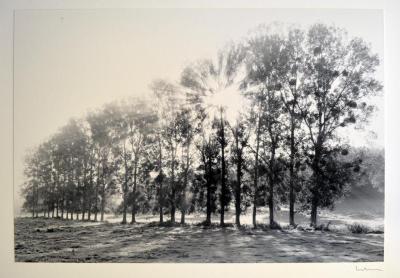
<point>199,136</point>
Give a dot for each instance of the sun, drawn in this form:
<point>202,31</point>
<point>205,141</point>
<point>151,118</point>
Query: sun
<point>230,99</point>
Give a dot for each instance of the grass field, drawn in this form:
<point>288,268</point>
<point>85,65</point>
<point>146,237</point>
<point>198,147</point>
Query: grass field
<point>55,240</point>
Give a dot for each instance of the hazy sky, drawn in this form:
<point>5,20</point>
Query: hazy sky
<point>68,62</point>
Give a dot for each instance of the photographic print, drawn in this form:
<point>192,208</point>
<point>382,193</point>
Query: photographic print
<point>199,136</point>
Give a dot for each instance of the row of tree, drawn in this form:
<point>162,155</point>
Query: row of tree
<point>192,146</point>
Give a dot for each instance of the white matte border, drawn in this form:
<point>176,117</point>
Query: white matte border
<point>390,266</point>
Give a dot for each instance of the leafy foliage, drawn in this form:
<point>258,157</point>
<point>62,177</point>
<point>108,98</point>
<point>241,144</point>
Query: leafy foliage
<point>185,150</point>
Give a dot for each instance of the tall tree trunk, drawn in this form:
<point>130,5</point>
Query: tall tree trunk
<point>223,172</point>
<point>185,183</point>
<point>35,208</point>
<point>291,205</point>
<point>96,192</point>
<point>84,193</point>
<point>62,208</point>
<point>89,216</point>
<point>125,188</point>
<point>183,216</point>
<point>183,212</point>
<point>291,172</point>
<point>173,206</point>
<point>134,192</point>
<point>173,190</point>
<point>90,198</point>
<point>161,204</point>
<point>256,161</point>
<point>51,202</point>
<point>238,191</point>
<point>133,220</point>
<point>33,201</point>
<point>124,210</point>
<point>316,173</point>
<point>271,186</point>
<point>209,165</point>
<point>95,210</point>
<point>254,215</point>
<point>271,204</point>
<point>160,174</point>
<point>314,213</point>
<point>238,180</point>
<point>103,200</point>
<point>173,211</point>
<point>208,220</point>
<point>103,204</point>
<point>161,215</point>
<point>63,199</point>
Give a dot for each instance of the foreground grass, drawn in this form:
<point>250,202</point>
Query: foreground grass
<point>54,240</point>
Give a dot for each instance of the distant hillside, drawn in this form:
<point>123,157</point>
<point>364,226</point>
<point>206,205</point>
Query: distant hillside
<point>363,199</point>
<point>366,194</point>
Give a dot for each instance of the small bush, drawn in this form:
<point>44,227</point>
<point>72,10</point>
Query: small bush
<point>275,226</point>
<point>290,227</point>
<point>163,224</point>
<point>323,227</point>
<point>262,227</point>
<point>358,228</point>
<point>228,225</point>
<point>376,232</point>
<point>206,224</point>
<point>245,227</point>
<point>266,227</point>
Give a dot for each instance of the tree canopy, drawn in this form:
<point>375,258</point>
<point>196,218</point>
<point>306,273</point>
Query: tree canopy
<point>194,146</point>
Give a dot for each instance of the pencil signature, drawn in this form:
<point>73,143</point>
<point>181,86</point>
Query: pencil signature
<point>367,269</point>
